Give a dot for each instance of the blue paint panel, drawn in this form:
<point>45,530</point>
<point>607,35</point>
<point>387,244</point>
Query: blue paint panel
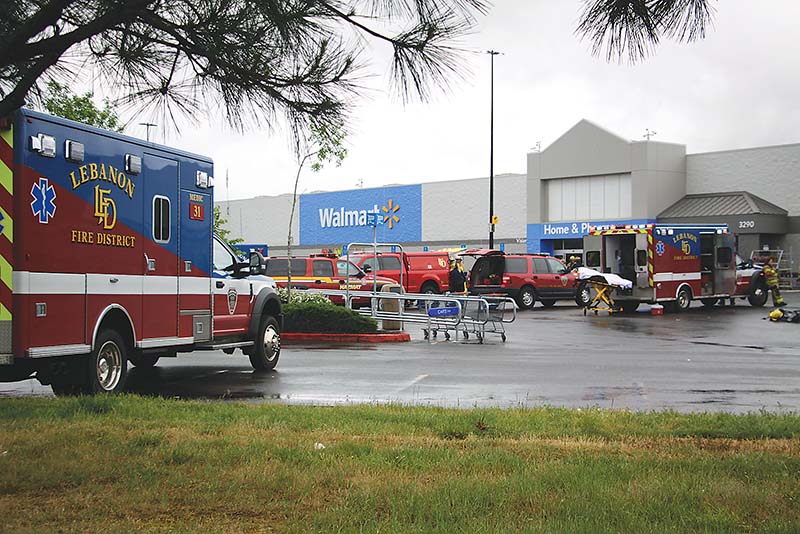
<point>685,242</point>
<point>540,236</point>
<point>195,244</point>
<point>341,217</point>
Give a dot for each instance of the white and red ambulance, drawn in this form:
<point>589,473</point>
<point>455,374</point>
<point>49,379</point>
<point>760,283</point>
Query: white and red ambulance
<point>107,256</point>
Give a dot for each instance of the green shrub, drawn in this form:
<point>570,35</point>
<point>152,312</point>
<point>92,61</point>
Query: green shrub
<point>319,317</point>
<point>299,296</point>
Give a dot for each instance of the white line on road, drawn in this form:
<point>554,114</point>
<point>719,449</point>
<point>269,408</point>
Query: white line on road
<point>410,384</point>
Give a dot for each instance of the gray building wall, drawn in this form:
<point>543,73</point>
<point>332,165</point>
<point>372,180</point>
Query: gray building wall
<point>657,170</point>
<point>262,220</point>
<point>772,173</point>
<point>458,211</point>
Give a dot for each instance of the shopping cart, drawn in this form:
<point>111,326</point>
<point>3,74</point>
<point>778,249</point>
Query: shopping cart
<point>470,316</point>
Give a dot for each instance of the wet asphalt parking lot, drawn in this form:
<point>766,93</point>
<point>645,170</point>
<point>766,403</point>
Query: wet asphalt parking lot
<point>719,359</point>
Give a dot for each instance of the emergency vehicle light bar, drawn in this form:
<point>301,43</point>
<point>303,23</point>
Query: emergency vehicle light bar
<point>44,145</point>
<point>74,151</point>
<point>203,180</point>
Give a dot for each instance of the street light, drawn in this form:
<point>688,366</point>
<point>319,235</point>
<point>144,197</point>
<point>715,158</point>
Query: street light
<point>491,53</point>
<point>148,125</point>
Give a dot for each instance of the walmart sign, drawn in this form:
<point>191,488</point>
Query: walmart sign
<point>344,216</point>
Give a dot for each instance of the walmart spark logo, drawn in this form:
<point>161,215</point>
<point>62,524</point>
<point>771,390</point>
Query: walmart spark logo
<point>389,212</point>
<point>44,196</point>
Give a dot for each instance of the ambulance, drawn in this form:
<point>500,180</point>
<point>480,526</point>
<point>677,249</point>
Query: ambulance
<point>107,256</point>
<point>671,264</point>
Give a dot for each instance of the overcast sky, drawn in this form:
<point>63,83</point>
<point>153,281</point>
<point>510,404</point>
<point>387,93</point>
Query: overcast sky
<point>737,88</point>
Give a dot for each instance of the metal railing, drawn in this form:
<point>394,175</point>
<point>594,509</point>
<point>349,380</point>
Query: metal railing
<point>436,312</point>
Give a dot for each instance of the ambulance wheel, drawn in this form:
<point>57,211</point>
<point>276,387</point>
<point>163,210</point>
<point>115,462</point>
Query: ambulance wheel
<point>268,346</point>
<point>758,296</point>
<point>684,300</point>
<point>709,303</point>
<point>143,361</point>
<point>548,303</point>
<point>526,298</point>
<point>108,364</point>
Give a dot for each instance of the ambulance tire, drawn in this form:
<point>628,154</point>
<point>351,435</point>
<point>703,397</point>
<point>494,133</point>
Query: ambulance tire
<point>143,361</point>
<point>268,346</point>
<point>758,295</point>
<point>108,364</point>
<point>684,300</point>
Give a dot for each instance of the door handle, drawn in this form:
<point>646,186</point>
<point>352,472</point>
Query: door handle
<point>535,277</point>
<point>113,280</point>
<point>220,285</point>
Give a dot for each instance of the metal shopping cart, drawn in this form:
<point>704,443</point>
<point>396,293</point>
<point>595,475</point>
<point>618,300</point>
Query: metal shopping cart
<point>470,316</point>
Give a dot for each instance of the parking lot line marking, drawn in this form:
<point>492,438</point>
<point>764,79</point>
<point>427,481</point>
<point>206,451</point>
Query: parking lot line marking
<point>410,384</point>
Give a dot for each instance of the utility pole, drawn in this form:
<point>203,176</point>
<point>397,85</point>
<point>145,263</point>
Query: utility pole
<point>491,53</point>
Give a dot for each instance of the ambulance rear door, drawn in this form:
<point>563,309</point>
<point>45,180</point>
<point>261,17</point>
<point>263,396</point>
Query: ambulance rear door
<point>724,264</point>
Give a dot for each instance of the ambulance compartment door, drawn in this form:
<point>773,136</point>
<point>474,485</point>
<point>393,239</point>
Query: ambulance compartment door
<point>592,254</point>
<point>194,274</point>
<point>642,261</point>
<point>724,264</point>
<point>160,257</point>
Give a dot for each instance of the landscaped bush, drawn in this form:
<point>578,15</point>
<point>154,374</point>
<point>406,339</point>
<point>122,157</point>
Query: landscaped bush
<point>319,317</point>
<point>299,296</point>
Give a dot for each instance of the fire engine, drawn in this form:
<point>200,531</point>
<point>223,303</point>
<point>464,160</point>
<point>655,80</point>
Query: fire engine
<point>671,264</point>
<point>107,256</point>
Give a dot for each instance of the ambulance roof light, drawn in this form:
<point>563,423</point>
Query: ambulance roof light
<point>133,164</point>
<point>74,151</point>
<point>44,145</point>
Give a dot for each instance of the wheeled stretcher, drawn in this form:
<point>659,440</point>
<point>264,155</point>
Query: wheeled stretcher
<point>603,285</point>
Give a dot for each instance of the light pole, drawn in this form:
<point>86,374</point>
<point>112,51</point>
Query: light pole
<point>148,125</point>
<point>491,53</point>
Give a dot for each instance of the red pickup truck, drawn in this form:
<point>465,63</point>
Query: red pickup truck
<point>423,272</point>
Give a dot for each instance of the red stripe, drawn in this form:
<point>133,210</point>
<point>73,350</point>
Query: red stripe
<point>6,201</point>
<point>6,297</point>
<point>6,153</point>
<point>6,249</point>
<point>7,156</point>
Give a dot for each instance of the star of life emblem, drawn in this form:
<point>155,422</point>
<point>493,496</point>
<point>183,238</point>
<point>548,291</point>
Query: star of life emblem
<point>660,248</point>
<point>44,196</point>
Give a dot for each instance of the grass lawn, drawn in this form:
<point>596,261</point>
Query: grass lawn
<point>133,464</point>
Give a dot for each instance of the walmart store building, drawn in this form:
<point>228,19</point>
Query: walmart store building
<point>588,176</point>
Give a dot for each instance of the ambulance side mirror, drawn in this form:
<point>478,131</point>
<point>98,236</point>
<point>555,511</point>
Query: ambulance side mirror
<point>258,264</point>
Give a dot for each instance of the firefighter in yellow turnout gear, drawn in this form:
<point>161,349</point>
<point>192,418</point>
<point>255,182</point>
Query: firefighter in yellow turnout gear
<point>771,275</point>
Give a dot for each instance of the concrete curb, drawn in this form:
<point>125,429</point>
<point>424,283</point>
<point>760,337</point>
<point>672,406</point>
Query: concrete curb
<point>296,338</point>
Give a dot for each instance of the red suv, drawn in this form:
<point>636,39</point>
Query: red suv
<point>325,271</point>
<point>423,272</point>
<point>524,277</point>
